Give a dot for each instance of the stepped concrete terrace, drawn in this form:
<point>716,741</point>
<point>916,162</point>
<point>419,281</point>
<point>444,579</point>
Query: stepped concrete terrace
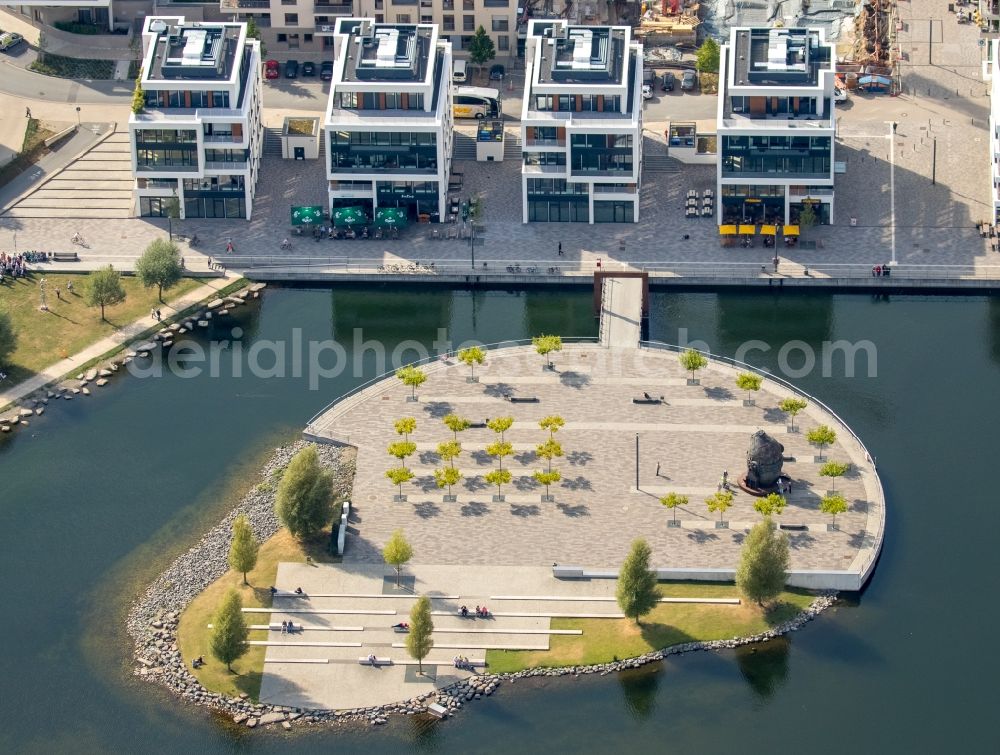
<point>684,445</point>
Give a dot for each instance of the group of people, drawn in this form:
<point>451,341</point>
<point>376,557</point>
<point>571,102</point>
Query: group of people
<point>274,591</point>
<point>401,627</point>
<point>481,611</point>
<point>12,265</point>
<point>155,314</point>
<point>784,485</point>
<point>198,662</point>
<point>880,270</point>
<point>461,661</point>
<point>288,627</point>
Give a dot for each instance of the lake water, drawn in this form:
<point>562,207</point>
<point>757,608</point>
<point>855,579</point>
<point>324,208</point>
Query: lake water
<point>97,495</point>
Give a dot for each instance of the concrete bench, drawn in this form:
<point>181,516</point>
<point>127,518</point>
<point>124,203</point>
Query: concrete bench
<point>477,425</point>
<point>567,572</point>
<point>651,401</point>
<point>523,399</point>
<point>273,627</point>
<point>438,711</point>
<point>366,661</point>
<point>794,527</point>
<point>65,257</point>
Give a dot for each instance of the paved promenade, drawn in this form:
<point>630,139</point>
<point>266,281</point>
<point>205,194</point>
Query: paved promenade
<point>685,444</point>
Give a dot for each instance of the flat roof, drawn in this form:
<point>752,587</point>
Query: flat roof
<point>200,52</point>
<point>583,55</point>
<point>386,52</point>
<point>783,57</point>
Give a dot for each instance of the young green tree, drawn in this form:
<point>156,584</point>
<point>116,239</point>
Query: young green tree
<point>243,550</point>
<point>552,423</point>
<point>419,640</point>
<point>636,590</point>
<point>500,425</point>
<point>159,265</point>
<point>104,288</point>
<point>833,470</point>
<point>749,382</point>
<point>397,552</point>
<point>412,377</point>
<point>807,217</point>
<point>692,361</point>
<point>546,345</point>
<point>449,450</point>
<point>547,478</point>
<point>821,437</point>
<point>456,424</point>
<point>769,504</point>
<point>720,501</point>
<point>707,56</point>
<point>673,500</point>
<point>138,95</point>
<point>404,426</point>
<point>8,337</point>
<point>792,406</point>
<point>498,477</point>
<point>229,630</point>
<point>472,356</point>
<point>401,449</point>
<point>481,48</point>
<point>447,476</point>
<point>549,450</point>
<point>399,475</point>
<point>833,504</point>
<point>763,563</point>
<point>304,495</point>
<point>253,32</point>
<point>499,450</point>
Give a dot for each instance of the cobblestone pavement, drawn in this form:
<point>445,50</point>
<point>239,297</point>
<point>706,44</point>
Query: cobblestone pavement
<point>701,431</point>
<point>928,225</point>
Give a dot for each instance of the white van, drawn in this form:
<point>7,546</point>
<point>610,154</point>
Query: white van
<point>458,72</point>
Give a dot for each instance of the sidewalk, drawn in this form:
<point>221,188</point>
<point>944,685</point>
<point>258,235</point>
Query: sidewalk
<point>102,47</point>
<point>73,363</point>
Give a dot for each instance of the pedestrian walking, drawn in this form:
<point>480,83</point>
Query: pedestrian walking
<point>152,314</point>
<point>58,295</point>
<point>775,261</point>
<point>657,469</point>
<point>229,246</point>
<point>69,287</point>
<point>560,249</point>
<point>158,316</point>
<point>725,479</point>
<point>27,112</point>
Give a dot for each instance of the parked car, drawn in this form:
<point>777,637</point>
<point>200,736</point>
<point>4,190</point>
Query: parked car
<point>326,70</point>
<point>668,82</point>
<point>291,69</point>
<point>647,92</point>
<point>9,39</point>
<point>497,72</point>
<point>689,80</point>
<point>272,70</point>
<point>308,68</point>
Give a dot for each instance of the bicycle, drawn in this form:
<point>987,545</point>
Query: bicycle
<point>77,239</point>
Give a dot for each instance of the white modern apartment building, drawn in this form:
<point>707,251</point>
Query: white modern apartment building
<point>775,125</point>
<point>388,125</point>
<point>993,71</point>
<point>581,124</point>
<point>308,25</point>
<point>200,134</point>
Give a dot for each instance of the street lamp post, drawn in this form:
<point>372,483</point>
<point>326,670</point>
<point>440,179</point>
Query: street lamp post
<point>77,115</point>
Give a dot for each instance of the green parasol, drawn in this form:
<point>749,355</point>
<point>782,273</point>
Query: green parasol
<point>307,215</point>
<point>345,216</point>
<point>390,217</point>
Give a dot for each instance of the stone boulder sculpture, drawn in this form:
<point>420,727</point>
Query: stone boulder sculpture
<point>764,460</point>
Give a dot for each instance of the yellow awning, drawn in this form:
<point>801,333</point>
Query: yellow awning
<point>791,230</point>
<point>768,230</point>
<point>727,230</point>
<point>748,230</point>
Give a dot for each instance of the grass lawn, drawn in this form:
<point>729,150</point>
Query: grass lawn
<point>73,68</point>
<point>605,640</point>
<point>193,634</point>
<point>70,325</point>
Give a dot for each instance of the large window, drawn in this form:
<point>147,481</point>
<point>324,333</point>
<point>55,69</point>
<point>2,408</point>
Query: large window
<point>544,158</point>
<point>500,23</point>
<point>503,42</point>
<point>380,101</point>
<point>449,23</point>
<point>798,155</point>
<point>167,159</point>
<point>468,23</point>
<point>557,211</point>
<point>215,207</point>
<point>291,19</point>
<point>601,153</point>
<point>165,136</point>
<point>383,138</point>
<point>614,212</point>
<point>554,186</point>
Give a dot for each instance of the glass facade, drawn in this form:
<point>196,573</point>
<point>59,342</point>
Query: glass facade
<point>380,101</point>
<point>579,103</point>
<point>544,158</point>
<point>601,153</point>
<point>181,157</point>
<point>807,156</point>
<point>558,211</point>
<point>614,212</point>
<point>383,150</point>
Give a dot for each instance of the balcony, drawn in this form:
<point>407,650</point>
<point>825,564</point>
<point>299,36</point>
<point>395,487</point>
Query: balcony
<point>561,143</point>
<point>223,138</point>
<point>229,167</point>
<point>238,5</point>
<point>543,170</point>
<point>166,169</point>
<point>631,189</point>
<point>325,7</point>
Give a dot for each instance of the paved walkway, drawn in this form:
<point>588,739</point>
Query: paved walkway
<point>621,313</point>
<point>685,444</point>
<point>73,363</point>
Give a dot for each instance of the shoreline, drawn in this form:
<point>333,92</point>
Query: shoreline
<point>153,617</point>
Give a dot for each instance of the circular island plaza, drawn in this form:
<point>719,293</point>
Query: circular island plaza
<point>531,559</point>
